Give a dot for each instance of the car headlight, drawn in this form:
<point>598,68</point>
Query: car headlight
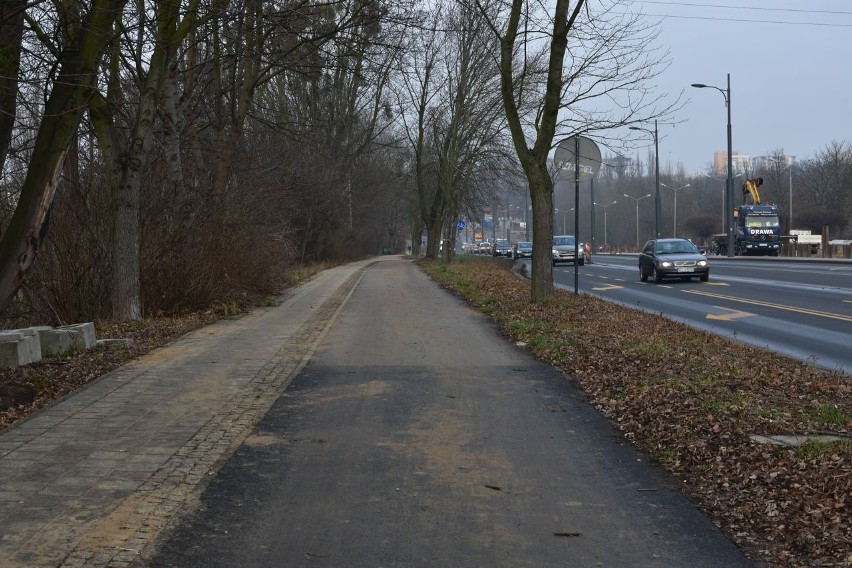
<point>702,263</point>
<point>554,252</point>
<point>665,264</point>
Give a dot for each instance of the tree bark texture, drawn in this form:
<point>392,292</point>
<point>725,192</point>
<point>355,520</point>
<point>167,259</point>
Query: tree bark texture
<point>11,34</point>
<point>63,110</point>
<point>130,157</point>
<point>244,80</point>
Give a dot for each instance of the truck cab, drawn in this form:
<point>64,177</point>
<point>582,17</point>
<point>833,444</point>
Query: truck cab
<point>758,230</point>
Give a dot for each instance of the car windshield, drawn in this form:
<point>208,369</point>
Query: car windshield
<point>676,247</point>
<point>757,222</point>
<point>563,241</point>
<point>523,245</point>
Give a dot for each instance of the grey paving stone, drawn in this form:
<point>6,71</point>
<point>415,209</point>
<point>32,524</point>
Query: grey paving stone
<point>135,444</point>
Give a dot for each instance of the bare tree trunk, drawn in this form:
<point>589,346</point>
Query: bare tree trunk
<point>244,81</point>
<point>78,66</point>
<point>11,33</point>
<point>172,126</point>
<point>534,158</point>
<point>541,195</point>
<point>128,160</point>
<point>126,284</point>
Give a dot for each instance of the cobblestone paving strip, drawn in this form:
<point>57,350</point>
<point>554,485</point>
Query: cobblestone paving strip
<point>108,509</point>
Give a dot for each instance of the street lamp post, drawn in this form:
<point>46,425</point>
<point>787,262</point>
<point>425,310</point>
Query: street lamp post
<point>790,201</point>
<point>564,219</point>
<point>604,207</point>
<point>729,190</point>
<point>675,190</point>
<point>657,205</point>
<point>790,228</point>
<point>637,200</point>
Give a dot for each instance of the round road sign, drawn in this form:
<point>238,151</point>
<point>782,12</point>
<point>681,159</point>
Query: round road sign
<point>589,158</point>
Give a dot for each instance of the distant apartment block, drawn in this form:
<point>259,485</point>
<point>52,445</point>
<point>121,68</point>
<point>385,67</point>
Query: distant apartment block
<point>741,163</point>
<point>746,165</point>
<point>760,163</point>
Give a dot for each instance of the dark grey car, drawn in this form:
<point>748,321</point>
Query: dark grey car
<point>672,258</point>
<point>522,249</point>
<point>502,248</point>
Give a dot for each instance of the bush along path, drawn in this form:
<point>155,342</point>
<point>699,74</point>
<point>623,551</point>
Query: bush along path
<point>701,406</point>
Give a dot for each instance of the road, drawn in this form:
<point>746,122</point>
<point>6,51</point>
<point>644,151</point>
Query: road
<point>801,309</point>
<point>418,436</point>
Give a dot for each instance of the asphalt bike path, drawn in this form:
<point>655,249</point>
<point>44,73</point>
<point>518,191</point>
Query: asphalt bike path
<point>416,435</point>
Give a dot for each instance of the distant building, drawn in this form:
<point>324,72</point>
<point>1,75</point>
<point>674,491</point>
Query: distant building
<point>741,163</point>
<point>618,164</point>
<point>768,162</point>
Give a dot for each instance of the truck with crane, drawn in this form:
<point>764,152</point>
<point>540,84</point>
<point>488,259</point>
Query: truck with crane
<point>757,225</point>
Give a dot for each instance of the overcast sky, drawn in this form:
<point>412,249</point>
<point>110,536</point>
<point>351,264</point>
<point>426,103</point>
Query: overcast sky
<point>791,83</point>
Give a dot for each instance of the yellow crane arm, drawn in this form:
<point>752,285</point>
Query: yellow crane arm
<point>750,188</point>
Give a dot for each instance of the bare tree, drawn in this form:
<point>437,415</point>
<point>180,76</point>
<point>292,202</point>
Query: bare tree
<point>701,226</point>
<point>777,184</point>
<point>454,130</point>
<point>605,82</point>
<point>11,36</point>
<point>825,182</point>
<point>421,85</point>
<point>78,65</point>
<point>124,129</point>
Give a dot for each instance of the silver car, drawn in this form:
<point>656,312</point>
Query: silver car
<point>565,248</point>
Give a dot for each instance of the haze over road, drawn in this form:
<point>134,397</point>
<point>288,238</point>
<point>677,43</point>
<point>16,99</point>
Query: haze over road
<point>418,436</point>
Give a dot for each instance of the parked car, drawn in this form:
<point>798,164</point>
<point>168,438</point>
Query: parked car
<point>502,248</point>
<point>672,258</point>
<point>522,249</point>
<point>565,248</point>
<point>470,248</point>
<point>485,247</point>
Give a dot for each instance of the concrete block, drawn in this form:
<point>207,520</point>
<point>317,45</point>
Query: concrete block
<point>10,336</point>
<point>84,335</point>
<point>32,342</point>
<point>11,355</point>
<point>18,349</point>
<point>56,342</point>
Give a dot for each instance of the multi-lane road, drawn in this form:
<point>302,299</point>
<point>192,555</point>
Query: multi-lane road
<point>802,309</point>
